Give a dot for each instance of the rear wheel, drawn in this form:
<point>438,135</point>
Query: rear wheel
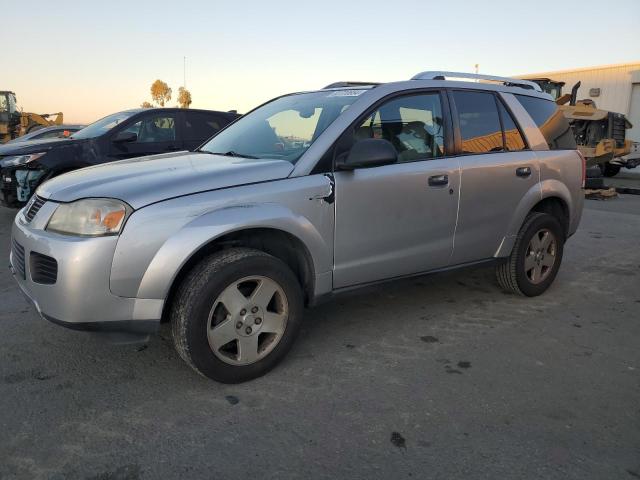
<point>236,314</point>
<point>536,256</point>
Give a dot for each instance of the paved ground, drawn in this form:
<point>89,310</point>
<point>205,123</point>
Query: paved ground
<point>440,377</point>
<point>629,178</point>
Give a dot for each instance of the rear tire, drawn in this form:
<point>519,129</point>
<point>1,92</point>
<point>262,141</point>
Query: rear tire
<point>610,170</point>
<point>536,256</point>
<point>236,314</point>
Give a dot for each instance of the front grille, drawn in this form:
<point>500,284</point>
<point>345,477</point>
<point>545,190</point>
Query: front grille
<point>34,207</point>
<point>17,251</point>
<point>44,269</point>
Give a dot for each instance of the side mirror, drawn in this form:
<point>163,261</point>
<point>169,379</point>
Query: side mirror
<point>370,152</point>
<point>125,137</point>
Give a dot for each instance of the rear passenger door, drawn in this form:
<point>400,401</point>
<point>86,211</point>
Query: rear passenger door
<point>156,132</point>
<point>200,126</point>
<point>497,171</point>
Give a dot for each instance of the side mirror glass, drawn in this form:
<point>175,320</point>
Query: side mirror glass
<point>125,137</point>
<point>370,152</point>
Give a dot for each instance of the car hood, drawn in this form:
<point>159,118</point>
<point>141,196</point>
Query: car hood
<point>145,180</point>
<point>32,146</point>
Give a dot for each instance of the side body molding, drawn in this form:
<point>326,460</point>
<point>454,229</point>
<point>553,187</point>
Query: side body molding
<point>178,249</point>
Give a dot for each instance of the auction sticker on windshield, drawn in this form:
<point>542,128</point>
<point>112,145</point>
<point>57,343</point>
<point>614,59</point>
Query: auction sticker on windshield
<point>346,93</point>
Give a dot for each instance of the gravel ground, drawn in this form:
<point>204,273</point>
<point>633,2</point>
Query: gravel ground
<point>439,377</point>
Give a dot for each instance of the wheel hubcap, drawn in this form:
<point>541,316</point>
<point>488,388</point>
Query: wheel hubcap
<point>247,320</point>
<point>540,256</point>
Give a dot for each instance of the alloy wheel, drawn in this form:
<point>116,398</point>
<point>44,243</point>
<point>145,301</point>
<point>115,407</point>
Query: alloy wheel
<point>247,320</point>
<point>540,256</point>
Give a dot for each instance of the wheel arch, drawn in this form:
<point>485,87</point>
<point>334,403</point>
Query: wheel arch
<point>550,197</point>
<point>279,243</point>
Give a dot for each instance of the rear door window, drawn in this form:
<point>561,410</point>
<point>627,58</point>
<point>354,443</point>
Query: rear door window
<point>479,122</point>
<point>200,126</point>
<point>552,123</point>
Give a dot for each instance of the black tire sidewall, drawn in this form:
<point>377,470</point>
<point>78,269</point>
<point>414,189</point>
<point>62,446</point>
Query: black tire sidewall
<point>610,170</point>
<point>202,356</point>
<point>524,284</point>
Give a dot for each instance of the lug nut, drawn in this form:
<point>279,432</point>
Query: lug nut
<point>254,309</point>
<point>258,320</point>
<point>239,325</point>
<point>243,312</point>
<point>248,330</point>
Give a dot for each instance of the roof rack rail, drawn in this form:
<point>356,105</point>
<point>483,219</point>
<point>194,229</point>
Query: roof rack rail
<point>509,82</point>
<point>350,84</point>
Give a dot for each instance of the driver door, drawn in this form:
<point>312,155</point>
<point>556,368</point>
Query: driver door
<point>398,219</point>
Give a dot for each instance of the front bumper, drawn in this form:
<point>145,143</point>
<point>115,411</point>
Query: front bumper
<point>17,184</point>
<point>79,297</point>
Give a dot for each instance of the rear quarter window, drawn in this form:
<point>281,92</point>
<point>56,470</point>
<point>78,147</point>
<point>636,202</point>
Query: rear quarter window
<point>552,123</point>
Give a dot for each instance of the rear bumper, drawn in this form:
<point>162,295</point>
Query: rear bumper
<point>80,297</point>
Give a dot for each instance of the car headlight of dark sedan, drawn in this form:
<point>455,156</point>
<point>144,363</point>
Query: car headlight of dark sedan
<point>17,160</point>
<point>91,217</point>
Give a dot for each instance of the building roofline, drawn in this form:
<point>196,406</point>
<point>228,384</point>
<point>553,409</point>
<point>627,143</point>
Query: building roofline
<point>550,73</point>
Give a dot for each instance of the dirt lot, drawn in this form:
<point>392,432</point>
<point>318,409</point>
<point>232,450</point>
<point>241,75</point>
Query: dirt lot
<point>438,377</point>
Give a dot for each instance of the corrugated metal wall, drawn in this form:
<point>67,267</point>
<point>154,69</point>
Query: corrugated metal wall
<point>614,82</point>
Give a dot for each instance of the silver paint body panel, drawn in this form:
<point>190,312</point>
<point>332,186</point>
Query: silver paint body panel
<point>381,222</point>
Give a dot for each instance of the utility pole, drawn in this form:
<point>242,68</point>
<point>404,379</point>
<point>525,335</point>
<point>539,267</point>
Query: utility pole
<point>184,72</point>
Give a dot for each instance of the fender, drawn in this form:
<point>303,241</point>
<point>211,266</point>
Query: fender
<point>182,245</point>
<point>538,192</point>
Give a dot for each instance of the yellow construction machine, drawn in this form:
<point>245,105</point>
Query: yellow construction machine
<point>600,134</point>
<point>14,123</point>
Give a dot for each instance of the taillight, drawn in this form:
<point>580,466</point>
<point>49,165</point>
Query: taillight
<point>584,168</point>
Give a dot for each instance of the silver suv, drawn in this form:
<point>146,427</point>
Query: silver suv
<point>306,196</point>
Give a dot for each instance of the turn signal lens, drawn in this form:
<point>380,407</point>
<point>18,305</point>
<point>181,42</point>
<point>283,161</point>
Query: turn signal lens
<point>112,220</point>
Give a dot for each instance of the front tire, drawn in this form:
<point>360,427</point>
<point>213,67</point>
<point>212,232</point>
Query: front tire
<point>236,314</point>
<point>536,256</point>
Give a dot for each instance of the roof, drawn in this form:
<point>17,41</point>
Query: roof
<point>179,109</point>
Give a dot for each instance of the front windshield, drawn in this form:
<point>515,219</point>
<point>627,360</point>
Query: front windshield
<point>284,128</point>
<point>103,125</point>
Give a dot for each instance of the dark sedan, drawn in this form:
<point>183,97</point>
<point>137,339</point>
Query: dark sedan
<point>132,133</point>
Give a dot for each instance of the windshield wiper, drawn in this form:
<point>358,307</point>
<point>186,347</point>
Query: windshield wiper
<point>230,153</point>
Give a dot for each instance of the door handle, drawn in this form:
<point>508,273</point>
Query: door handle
<point>523,171</point>
<point>438,180</point>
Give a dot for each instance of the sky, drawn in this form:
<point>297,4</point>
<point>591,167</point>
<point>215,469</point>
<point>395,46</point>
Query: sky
<point>91,58</point>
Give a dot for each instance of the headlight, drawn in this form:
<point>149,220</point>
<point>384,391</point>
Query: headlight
<point>16,160</point>
<point>94,217</point>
